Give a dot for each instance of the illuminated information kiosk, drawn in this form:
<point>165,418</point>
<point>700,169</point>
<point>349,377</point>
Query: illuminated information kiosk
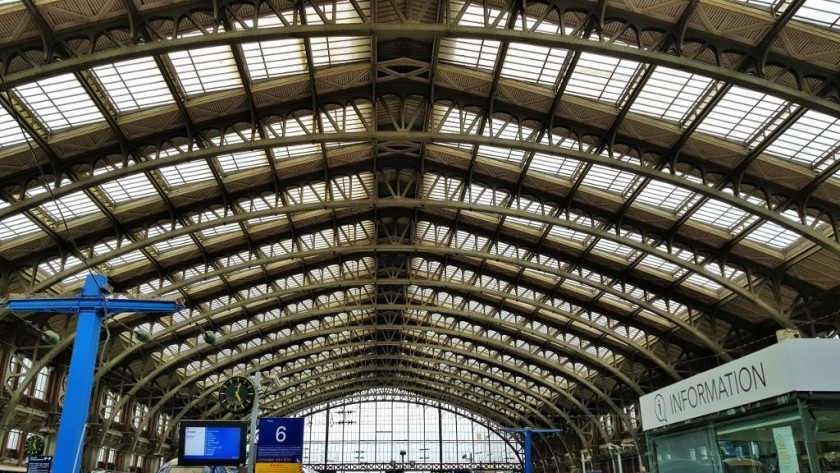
<point>774,411</point>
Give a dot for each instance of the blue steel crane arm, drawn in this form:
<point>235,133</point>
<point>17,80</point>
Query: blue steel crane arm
<point>102,306</point>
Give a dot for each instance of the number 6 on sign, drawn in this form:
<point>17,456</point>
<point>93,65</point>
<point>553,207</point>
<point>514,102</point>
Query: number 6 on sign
<point>282,442</point>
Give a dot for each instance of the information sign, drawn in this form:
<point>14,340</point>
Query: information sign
<point>280,440</point>
<point>39,464</point>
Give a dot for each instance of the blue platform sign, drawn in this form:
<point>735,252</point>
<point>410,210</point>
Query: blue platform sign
<point>39,464</point>
<point>280,440</point>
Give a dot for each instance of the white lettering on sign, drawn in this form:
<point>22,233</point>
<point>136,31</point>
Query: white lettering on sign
<point>789,366</point>
<point>280,435</point>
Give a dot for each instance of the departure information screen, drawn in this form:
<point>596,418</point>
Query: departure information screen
<point>221,444</point>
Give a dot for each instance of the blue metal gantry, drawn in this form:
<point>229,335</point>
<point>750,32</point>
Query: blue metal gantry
<point>92,306</point>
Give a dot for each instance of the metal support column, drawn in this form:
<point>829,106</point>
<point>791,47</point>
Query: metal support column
<point>91,306</point>
<point>252,450</point>
<point>527,432</point>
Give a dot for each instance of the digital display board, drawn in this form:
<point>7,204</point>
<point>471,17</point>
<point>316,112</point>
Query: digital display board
<point>205,442</point>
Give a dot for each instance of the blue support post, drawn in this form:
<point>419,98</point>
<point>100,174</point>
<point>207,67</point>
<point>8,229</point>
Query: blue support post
<point>92,306</point>
<point>74,414</point>
<point>526,432</point>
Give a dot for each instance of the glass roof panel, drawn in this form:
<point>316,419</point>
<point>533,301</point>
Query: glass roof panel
<point>275,58</point>
<point>722,215</point>
<point>59,102</point>
<point>203,70</point>
<point>186,173</point>
<point>664,195</point>
<point>332,50</point>
<point>133,85</point>
<point>602,78</point>
<point>127,188</point>
<point>76,204</point>
<point>533,63</point>
<point>809,140</point>
<point>476,53</point>
<point>231,163</point>
<point>609,179</point>
<point>741,113</point>
<point>670,94</point>
<point>337,12</point>
<point>825,13</point>
<point>774,236</point>
<point>15,225</point>
<point>10,132</point>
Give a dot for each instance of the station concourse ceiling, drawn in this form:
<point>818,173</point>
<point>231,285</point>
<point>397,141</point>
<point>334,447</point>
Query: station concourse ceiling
<point>533,210</point>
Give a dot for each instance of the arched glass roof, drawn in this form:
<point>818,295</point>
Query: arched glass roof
<point>534,211</point>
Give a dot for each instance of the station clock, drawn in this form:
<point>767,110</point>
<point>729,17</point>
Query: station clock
<point>237,394</point>
<point>34,445</point>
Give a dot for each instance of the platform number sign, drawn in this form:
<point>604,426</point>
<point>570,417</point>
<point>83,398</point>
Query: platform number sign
<point>280,440</point>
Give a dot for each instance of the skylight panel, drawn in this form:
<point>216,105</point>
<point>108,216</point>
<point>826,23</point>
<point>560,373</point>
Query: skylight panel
<point>293,125</point>
<point>774,236</point>
<point>10,132</point>
<point>296,151</point>
<point>15,225</point>
<point>609,179</point>
<point>659,264</point>
<point>133,85</point>
<point>670,94</point>
<point>332,50</point>
<point>337,12</point>
<point>565,233</point>
<point>531,63</point>
<point>203,70</point>
<point>186,173</point>
<point>76,204</point>
<point>509,155</point>
<point>721,215</point>
<point>275,58</point>
<point>554,165</point>
<point>127,188</point>
<point>59,102</point>
<point>602,78</point>
<point>740,114</point>
<point>231,163</point>
<point>808,140</point>
<point>663,195</point>
<point>278,58</point>
<point>612,248</point>
<point>347,119</point>
<point>448,119</point>
<point>474,53</point>
<point>825,13</point>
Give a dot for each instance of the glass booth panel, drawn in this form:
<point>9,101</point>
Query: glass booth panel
<point>827,426</point>
<point>764,445</point>
<point>685,452</point>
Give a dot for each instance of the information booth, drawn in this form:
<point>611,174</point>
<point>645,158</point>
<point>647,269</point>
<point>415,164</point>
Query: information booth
<point>774,411</point>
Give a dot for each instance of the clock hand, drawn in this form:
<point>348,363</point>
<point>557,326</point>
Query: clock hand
<point>238,386</point>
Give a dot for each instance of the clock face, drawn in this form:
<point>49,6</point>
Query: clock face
<point>237,394</point>
<point>34,445</point>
